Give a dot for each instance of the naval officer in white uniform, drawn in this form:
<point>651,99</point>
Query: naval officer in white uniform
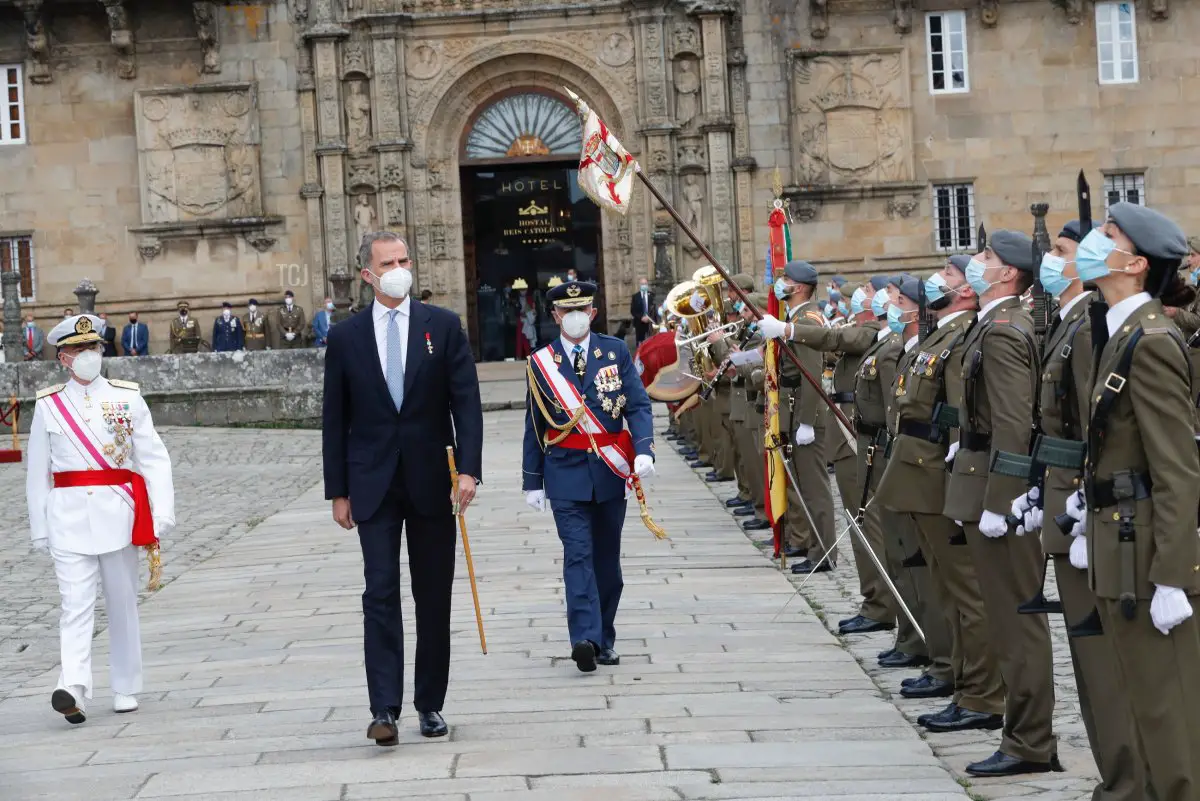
<point>99,486</point>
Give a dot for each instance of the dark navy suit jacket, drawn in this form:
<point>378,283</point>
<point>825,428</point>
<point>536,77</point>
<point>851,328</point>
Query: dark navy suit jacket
<point>365,440</point>
<point>576,475</point>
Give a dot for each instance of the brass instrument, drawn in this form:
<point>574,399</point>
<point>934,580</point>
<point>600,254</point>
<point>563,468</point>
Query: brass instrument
<point>699,307</point>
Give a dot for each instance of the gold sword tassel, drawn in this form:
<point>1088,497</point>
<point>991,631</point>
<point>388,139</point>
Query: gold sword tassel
<point>154,558</point>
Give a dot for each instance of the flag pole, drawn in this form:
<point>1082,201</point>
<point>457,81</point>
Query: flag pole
<point>704,251</point>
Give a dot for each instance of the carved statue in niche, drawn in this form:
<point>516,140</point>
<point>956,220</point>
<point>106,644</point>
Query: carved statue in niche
<point>693,205</point>
<point>358,117</point>
<point>364,218</point>
<point>687,90</point>
<point>902,16</point>
<point>205,14</point>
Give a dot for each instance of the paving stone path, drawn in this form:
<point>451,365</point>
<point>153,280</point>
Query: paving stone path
<point>255,691</point>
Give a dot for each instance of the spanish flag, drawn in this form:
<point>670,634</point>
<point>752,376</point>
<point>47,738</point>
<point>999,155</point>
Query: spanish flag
<point>778,255</point>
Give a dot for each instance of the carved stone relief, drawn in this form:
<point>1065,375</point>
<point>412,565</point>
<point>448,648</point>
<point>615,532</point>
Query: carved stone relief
<point>818,23</point>
<point>205,14</point>
<point>721,197</point>
<point>394,207</point>
<point>617,50</point>
<point>1074,9</point>
<point>902,206</point>
<point>354,60</point>
<point>199,153</point>
<point>655,69</point>
<point>36,41</point>
<point>852,118</point>
<point>902,16</point>
<point>329,111</point>
<point>392,176</point>
<point>804,209</point>
<point>358,117</point>
<point>364,217</point>
<point>687,90</point>
<point>690,154</point>
<point>122,38</point>
<point>361,174</point>
<point>299,9</point>
<point>989,13</point>
<point>713,37</point>
<point>424,62</point>
<point>1158,10</point>
<point>685,40</point>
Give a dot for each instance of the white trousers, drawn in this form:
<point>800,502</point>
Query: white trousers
<point>79,576</point>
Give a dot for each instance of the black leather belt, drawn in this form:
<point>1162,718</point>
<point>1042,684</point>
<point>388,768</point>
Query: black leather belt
<point>925,431</point>
<point>842,397</point>
<point>974,441</point>
<point>1100,493</point>
<point>867,429</point>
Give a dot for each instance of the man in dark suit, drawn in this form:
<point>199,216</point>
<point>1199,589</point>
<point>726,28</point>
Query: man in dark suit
<point>400,386</point>
<point>644,311</point>
<point>109,334</point>
<point>135,338</point>
<point>228,334</point>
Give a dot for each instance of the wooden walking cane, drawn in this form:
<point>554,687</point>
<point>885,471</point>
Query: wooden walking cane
<point>462,526</point>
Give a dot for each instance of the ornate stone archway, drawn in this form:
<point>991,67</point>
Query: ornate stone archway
<point>449,103</point>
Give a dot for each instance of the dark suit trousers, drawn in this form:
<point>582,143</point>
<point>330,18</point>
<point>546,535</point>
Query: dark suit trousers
<point>431,546</point>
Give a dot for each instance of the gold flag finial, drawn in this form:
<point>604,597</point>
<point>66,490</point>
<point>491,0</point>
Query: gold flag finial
<point>777,184</point>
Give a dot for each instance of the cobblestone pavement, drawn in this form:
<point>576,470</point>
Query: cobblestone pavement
<point>225,479</point>
<point>254,686</point>
<point>835,595</point>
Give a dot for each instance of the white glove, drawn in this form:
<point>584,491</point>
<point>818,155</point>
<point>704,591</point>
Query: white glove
<point>952,453</point>
<point>1031,522</point>
<point>771,328</point>
<point>992,525</point>
<point>1077,506</point>
<point>1079,553</point>
<point>536,500</point>
<point>805,435</point>
<point>643,465</point>
<point>1025,502</point>
<point>289,336</point>
<point>958,523</point>
<point>1025,509</point>
<point>1169,608</point>
<point>41,545</point>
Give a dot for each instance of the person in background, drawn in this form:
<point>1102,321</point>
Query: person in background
<point>426,295</point>
<point>644,311</point>
<point>109,335</point>
<point>67,312</point>
<point>185,333</point>
<point>255,327</point>
<point>228,334</point>
<point>135,338</point>
<point>289,323</point>
<point>35,340</point>
<point>322,321</point>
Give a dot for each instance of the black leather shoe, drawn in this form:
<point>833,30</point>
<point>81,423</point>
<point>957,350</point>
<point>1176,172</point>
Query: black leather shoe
<point>899,659</point>
<point>885,654</point>
<point>999,764</point>
<point>755,525</point>
<point>863,625</point>
<point>928,687</point>
<point>965,720</point>
<point>383,729</point>
<point>608,657</point>
<point>711,479</point>
<point>910,681</point>
<point>743,511</point>
<point>735,502</point>
<point>696,464</point>
<point>807,566</point>
<point>794,552</point>
<point>584,654</point>
<point>946,714</point>
<point>432,724</point>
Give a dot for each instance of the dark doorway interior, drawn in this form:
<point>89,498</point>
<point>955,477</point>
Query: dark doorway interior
<point>524,223</point>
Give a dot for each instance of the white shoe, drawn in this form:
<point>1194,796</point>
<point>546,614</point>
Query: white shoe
<point>69,703</point>
<point>124,703</point>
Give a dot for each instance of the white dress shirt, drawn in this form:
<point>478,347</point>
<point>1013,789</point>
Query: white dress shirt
<point>911,343</point>
<point>569,348</point>
<point>1072,303</point>
<point>94,520</point>
<point>379,315</point>
<point>950,317</point>
<point>883,334</point>
<point>993,304</point>
<point>1118,314</point>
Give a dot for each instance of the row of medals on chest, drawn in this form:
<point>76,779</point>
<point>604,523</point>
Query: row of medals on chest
<point>608,381</point>
<point>118,421</point>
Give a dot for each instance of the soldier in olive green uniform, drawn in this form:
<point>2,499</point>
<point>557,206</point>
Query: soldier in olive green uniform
<point>1000,373</point>
<point>741,414</point>
<point>289,325</point>
<point>1142,475</point>
<point>915,485</point>
<point>801,417</point>
<point>1066,377</point>
<point>254,323</point>
<point>756,407</point>
<point>185,331</point>
<point>867,357</point>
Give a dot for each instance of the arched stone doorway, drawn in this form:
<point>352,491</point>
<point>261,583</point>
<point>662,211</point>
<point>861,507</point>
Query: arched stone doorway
<point>526,223</point>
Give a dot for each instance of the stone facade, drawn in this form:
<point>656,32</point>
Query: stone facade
<point>210,151</point>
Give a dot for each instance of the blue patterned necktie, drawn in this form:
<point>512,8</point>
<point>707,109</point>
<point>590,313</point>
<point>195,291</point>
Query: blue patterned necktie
<point>395,361</point>
<point>577,361</point>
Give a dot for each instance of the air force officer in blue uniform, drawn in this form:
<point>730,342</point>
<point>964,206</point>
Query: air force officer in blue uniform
<point>576,461</point>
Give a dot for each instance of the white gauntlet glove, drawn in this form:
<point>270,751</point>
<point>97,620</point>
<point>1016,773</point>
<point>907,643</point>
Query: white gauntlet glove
<point>1169,608</point>
<point>536,500</point>
<point>1026,510</point>
<point>953,452</point>
<point>1078,555</point>
<point>771,328</point>
<point>805,435</point>
<point>992,525</point>
<point>289,336</point>
<point>1077,511</point>
<point>643,465</point>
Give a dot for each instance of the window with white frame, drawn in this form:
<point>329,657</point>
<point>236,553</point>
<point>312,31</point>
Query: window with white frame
<point>946,41</point>
<point>16,253</point>
<point>12,109</point>
<point>954,216</point>
<point>1126,187</point>
<point>1116,42</point>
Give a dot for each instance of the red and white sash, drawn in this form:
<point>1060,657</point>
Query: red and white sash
<point>569,398</point>
<point>81,438</point>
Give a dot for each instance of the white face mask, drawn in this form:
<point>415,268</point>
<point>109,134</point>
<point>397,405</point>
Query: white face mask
<point>225,313</point>
<point>86,365</point>
<point>289,302</point>
<point>575,324</point>
<point>394,283</point>
<point>253,308</point>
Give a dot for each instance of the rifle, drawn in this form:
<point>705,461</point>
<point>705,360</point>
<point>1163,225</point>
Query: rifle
<point>924,316</point>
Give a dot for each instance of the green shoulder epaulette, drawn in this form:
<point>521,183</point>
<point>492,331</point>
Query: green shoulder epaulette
<point>116,382</point>
<point>48,391</point>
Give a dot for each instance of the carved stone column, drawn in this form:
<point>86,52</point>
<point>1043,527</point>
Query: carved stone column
<point>391,141</point>
<point>340,292</point>
<point>331,149</point>
<point>86,292</point>
<point>208,32</point>
<point>653,106</point>
<point>744,165</point>
<point>718,129</point>
<point>664,275</point>
<point>311,190</point>
<point>14,350</point>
